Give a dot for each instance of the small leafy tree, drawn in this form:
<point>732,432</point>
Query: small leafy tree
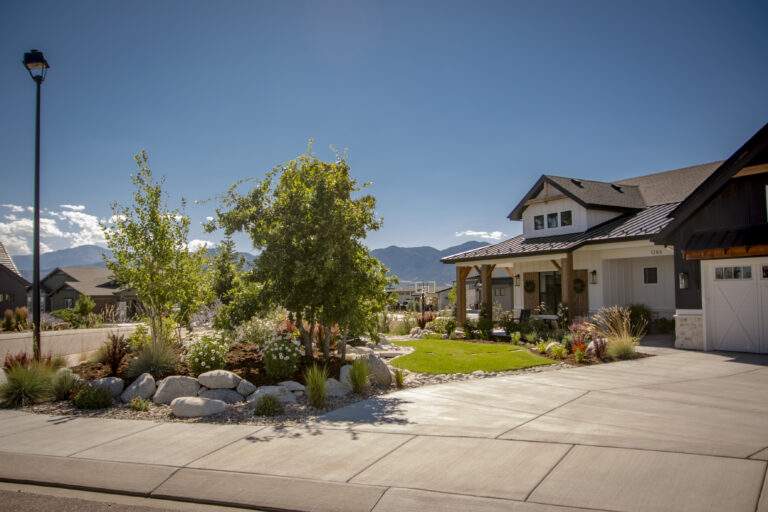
<point>309,228</point>
<point>150,253</point>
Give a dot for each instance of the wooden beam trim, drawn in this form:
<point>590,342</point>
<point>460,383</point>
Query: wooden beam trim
<point>727,252</point>
<point>751,170</point>
<point>556,264</point>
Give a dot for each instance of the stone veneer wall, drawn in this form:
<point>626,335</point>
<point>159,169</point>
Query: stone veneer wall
<point>689,330</point>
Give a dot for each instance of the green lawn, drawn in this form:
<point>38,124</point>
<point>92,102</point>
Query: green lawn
<point>453,356</point>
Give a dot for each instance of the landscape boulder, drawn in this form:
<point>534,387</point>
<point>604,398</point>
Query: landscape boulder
<point>552,345</point>
<point>245,388</point>
<point>279,392</point>
<point>380,375</point>
<point>292,386</point>
<point>344,374</point>
<point>174,387</point>
<point>229,396</point>
<point>336,389</point>
<point>194,407</point>
<point>114,385</point>
<point>219,379</point>
<point>143,387</point>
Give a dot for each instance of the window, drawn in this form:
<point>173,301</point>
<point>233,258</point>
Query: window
<point>765,271</point>
<point>650,275</point>
<point>68,302</point>
<point>538,222</point>
<point>566,218</point>
<point>733,273</point>
<point>551,220</point>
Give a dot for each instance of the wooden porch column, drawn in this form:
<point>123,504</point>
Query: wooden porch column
<point>566,280</point>
<point>486,275</point>
<point>461,294</point>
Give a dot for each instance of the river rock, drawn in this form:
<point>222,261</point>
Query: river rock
<point>143,387</point>
<point>114,385</point>
<point>229,396</point>
<point>292,386</point>
<point>174,387</point>
<point>194,407</point>
<point>380,375</point>
<point>219,379</point>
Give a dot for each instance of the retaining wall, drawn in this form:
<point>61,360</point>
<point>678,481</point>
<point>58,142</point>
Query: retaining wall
<point>70,343</point>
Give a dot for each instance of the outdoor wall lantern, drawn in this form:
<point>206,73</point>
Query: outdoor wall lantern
<point>593,277</point>
<point>517,279</point>
<point>682,279</point>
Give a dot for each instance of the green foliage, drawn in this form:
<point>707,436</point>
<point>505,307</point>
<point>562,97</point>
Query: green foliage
<point>515,337</point>
<point>563,316</point>
<point>26,385</point>
<point>139,338</point>
<point>227,267</point>
<point>268,405</point>
<point>358,376</point>
<point>64,385</point>
<point>259,330</point>
<point>281,358</point>
<point>150,253</point>
<point>621,348</point>
<point>541,347</point>
<point>471,330</point>
<point>139,404</point>
<point>399,378</point>
<point>91,397</point>
<point>532,337</point>
<point>404,325</point>
<point>81,316</point>
<point>558,352</point>
<point>84,306</point>
<point>112,352</point>
<point>579,356</point>
<point>485,326</point>
<point>441,324</point>
<point>157,359</point>
<point>309,229</point>
<point>207,353</point>
<point>8,321</point>
<point>314,382</point>
<point>615,322</point>
<point>244,303</point>
<point>639,316</point>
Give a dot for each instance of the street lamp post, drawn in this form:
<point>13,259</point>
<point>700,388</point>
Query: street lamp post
<point>35,63</point>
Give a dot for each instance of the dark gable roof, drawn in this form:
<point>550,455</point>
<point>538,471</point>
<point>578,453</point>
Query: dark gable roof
<point>91,281</point>
<point>748,154</point>
<point>7,261</point>
<point>633,226</point>
<point>627,194</point>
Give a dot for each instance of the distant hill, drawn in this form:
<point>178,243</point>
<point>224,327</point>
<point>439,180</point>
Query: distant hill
<point>407,263</point>
<point>422,263</point>
<point>81,256</point>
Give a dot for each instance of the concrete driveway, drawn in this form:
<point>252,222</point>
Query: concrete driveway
<point>680,431</point>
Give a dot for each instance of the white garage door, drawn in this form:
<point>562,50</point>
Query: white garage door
<point>736,304</point>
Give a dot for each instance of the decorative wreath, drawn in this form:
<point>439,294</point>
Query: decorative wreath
<point>579,285</point>
<point>529,286</point>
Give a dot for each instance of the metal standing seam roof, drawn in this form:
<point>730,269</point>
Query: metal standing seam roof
<point>632,226</point>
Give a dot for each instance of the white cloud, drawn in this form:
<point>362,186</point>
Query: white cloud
<point>208,219</point>
<point>89,229</point>
<point>196,244</point>
<point>74,207</point>
<point>490,235</point>
<point>13,207</point>
<point>69,227</point>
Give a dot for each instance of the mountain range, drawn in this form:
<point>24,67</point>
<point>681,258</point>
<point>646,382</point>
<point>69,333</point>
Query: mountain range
<point>407,263</point>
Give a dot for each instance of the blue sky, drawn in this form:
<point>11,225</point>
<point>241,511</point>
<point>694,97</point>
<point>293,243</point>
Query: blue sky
<point>451,109</point>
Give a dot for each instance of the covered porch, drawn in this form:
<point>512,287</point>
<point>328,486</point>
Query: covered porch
<point>585,279</point>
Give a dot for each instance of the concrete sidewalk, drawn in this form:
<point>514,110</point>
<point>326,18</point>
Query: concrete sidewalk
<point>682,431</point>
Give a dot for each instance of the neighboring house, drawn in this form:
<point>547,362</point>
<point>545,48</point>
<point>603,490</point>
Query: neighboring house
<point>501,284</point>
<point>408,294</point>
<point>720,235</point>
<point>443,299</point>
<point>64,285</point>
<point>587,244</point>
<point>13,287</point>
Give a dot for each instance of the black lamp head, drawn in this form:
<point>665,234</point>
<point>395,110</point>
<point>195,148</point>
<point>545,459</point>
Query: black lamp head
<point>36,64</point>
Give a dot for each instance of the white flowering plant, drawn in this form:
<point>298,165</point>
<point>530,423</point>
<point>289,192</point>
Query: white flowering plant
<point>282,355</point>
<point>207,353</point>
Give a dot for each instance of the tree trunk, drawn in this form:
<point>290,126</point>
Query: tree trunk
<point>326,342</point>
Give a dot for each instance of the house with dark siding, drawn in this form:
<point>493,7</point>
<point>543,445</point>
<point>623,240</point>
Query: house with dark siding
<point>720,239</point>
<point>13,287</point>
<point>64,285</point>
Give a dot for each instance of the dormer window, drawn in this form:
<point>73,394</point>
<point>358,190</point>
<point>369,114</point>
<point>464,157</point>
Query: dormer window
<point>538,222</point>
<point>566,218</point>
<point>551,220</point>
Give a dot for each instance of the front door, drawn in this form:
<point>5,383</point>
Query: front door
<point>550,291</point>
